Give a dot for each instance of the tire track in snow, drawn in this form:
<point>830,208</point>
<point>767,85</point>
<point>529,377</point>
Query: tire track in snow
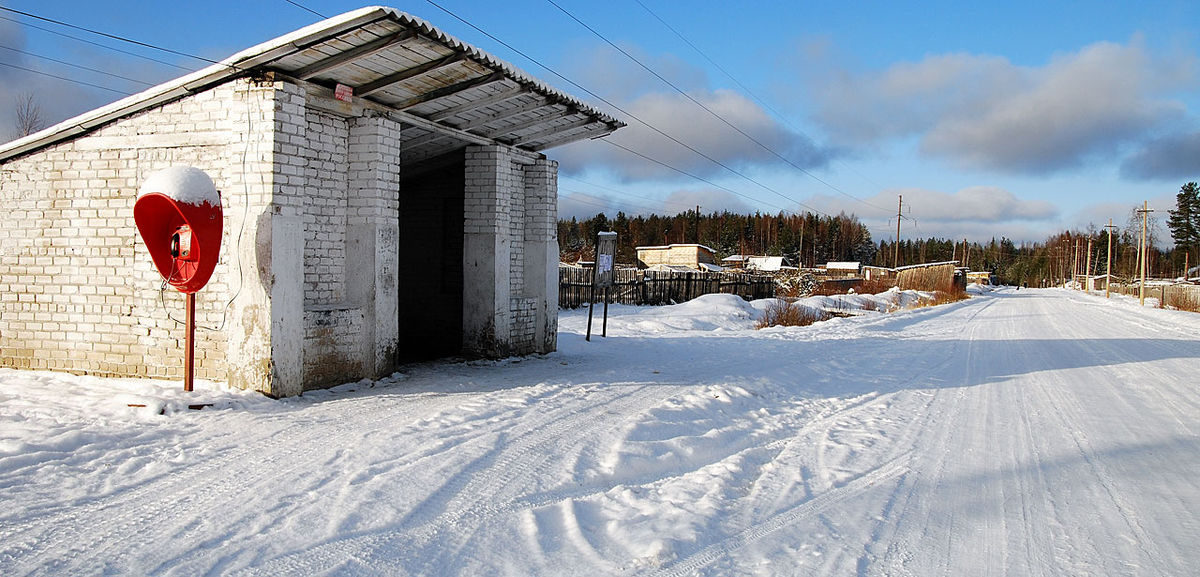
<point>172,501</point>
<point>931,444</point>
<point>807,509</point>
<point>475,496</point>
<point>897,462</point>
<point>1069,412</point>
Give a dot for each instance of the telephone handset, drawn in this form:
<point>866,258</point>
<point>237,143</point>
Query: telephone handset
<point>181,244</point>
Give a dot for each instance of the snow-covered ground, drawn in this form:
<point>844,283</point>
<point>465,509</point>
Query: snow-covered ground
<point>1031,432</point>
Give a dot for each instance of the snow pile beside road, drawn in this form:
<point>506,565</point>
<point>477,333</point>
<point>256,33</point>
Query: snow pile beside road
<point>726,312</point>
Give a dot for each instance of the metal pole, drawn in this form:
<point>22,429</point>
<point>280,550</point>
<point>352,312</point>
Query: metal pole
<point>189,359</point>
<point>1108,264</point>
<point>591,309</point>
<point>604,324</point>
<point>1142,258</point>
<point>899,214</point>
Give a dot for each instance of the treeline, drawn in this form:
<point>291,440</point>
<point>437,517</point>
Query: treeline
<point>1055,260</point>
<point>807,239</point>
<point>810,240</point>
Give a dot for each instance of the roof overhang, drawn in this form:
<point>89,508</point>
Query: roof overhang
<point>447,93</point>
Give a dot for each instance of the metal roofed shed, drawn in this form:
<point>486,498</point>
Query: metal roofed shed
<point>447,91</point>
<point>336,148</point>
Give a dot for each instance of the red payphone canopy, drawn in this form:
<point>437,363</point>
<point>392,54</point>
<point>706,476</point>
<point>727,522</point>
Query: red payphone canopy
<point>176,197</point>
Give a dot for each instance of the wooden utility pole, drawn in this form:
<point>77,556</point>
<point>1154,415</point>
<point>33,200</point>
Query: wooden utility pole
<point>1074,263</point>
<point>1087,271</point>
<point>899,215</point>
<point>1143,257</point>
<point>1108,263</point>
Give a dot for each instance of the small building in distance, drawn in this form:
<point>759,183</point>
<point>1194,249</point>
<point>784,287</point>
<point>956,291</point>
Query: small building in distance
<point>981,277</point>
<point>846,269</point>
<point>692,256</point>
<point>877,272</point>
<point>735,261</point>
<point>768,263</point>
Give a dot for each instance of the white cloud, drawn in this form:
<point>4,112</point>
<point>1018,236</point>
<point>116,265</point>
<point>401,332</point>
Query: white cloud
<point>973,204</point>
<point>986,112</point>
<point>645,99</point>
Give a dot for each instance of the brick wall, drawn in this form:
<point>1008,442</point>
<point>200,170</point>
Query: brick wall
<point>325,209</point>
<point>78,291</point>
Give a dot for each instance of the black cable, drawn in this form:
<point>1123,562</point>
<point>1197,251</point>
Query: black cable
<point>697,102</point>
<point>65,78</point>
<point>757,99</point>
<point>629,114</point>
<point>303,7</point>
<point>86,41</point>
<point>107,35</point>
<point>65,63</point>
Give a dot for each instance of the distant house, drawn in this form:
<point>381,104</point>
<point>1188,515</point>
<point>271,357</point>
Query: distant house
<point>877,272</point>
<point>981,277</point>
<point>686,255</point>
<point>768,263</point>
<point>734,261</point>
<point>843,268</point>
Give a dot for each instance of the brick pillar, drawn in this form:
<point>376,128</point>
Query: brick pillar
<point>541,250</point>
<point>266,339</point>
<point>373,236</point>
<point>487,243</point>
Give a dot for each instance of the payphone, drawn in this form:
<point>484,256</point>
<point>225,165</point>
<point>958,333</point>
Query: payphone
<point>178,213</point>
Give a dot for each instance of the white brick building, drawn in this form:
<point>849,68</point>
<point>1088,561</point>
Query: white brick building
<point>437,153</point>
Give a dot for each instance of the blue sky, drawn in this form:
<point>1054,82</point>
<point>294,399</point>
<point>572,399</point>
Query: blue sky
<point>992,119</point>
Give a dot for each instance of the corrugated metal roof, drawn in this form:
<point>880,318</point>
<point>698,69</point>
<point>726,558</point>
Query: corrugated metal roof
<point>448,92</point>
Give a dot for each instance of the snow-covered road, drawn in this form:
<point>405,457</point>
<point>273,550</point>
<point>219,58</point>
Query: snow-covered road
<point>1018,433</point>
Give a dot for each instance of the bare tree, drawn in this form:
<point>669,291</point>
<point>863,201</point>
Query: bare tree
<point>28,115</point>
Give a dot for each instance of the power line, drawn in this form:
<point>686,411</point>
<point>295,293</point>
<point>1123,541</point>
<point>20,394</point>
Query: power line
<point>65,63</point>
<point>303,7</point>
<point>624,193</point>
<point>107,35</point>
<point>630,115</point>
<point>755,97</point>
<point>586,198</point>
<point>701,104</point>
<point>688,174</point>
<point>64,78</point>
<point>106,47</point>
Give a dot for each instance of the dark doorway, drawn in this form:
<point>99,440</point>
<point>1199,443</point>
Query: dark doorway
<point>431,258</point>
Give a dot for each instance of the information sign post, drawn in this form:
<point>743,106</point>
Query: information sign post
<point>602,277</point>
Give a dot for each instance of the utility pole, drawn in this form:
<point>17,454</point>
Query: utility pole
<point>1108,263</point>
<point>1087,272</point>
<point>1142,256</point>
<point>899,215</point>
<point>1074,263</point>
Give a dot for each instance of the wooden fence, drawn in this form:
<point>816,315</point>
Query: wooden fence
<point>1180,296</point>
<point>658,287</point>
